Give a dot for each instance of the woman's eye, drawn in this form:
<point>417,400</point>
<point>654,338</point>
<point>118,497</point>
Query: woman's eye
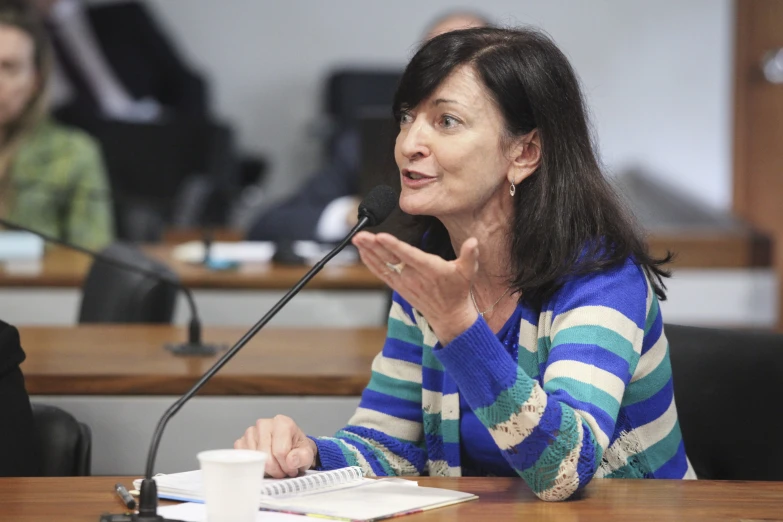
<point>405,117</point>
<point>449,121</point>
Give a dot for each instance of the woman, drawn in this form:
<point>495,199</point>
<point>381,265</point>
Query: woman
<point>538,350</point>
<point>51,177</point>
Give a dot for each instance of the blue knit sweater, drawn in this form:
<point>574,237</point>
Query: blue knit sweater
<point>586,391</point>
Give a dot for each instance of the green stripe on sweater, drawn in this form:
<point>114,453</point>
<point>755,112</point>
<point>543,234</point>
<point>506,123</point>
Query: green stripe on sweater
<point>607,339</point>
<point>428,359</point>
<point>651,315</point>
<point>508,402</point>
<point>584,392</point>
<point>435,425</point>
<point>542,475</point>
<point>402,332</point>
<point>528,362</point>
<point>378,450</point>
<point>652,458</point>
<point>405,390</point>
<point>650,384</point>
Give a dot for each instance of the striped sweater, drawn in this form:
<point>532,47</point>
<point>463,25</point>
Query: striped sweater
<point>589,394</point>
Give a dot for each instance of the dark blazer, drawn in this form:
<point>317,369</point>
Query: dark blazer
<point>18,454</point>
<point>143,59</point>
<point>297,217</point>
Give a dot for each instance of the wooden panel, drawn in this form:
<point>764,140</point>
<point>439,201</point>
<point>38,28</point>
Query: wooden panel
<point>175,236</point>
<point>131,360</point>
<point>741,249</point>
<point>758,124</point>
<point>500,499</point>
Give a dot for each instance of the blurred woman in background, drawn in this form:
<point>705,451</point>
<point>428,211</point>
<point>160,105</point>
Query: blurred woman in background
<point>52,177</point>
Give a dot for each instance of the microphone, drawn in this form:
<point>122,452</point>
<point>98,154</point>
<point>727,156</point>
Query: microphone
<point>375,208</point>
<point>194,344</point>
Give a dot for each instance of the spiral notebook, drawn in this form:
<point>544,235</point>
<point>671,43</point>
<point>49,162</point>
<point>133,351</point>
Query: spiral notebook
<point>342,494</point>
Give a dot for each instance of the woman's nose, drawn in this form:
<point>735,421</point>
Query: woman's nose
<point>414,140</point>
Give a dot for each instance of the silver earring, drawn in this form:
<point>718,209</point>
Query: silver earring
<point>512,190</point>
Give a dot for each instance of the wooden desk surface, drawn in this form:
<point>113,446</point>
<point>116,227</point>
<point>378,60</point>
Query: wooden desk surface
<point>131,360</point>
<point>84,499</point>
<point>695,249</point>
<point>66,269</point>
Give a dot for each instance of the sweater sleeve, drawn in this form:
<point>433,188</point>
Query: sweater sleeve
<point>554,435</point>
<point>385,435</point>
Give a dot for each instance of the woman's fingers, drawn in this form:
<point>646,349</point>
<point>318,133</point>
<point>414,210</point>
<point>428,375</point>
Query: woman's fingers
<point>273,469</point>
<point>406,253</point>
<point>301,458</point>
<point>284,431</point>
<point>369,242</point>
<point>377,266</point>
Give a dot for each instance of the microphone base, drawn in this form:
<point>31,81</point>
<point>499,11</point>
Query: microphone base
<point>195,349</point>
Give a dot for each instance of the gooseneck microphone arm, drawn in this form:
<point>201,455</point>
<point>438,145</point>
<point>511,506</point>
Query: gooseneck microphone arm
<point>376,207</point>
<point>194,328</point>
<point>241,343</point>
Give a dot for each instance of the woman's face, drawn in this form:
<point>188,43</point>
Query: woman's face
<point>18,78</point>
<point>449,150</point>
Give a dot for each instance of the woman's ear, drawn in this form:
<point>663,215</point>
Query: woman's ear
<point>525,157</point>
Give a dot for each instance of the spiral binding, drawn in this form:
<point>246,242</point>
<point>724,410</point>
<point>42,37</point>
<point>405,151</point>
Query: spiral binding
<point>313,482</point>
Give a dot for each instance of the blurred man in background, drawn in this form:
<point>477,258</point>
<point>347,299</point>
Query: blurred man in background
<point>113,61</point>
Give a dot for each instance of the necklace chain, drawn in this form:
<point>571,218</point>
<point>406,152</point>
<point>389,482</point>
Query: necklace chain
<point>488,310</point>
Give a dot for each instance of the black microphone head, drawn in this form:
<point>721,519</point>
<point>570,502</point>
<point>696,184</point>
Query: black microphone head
<point>378,204</point>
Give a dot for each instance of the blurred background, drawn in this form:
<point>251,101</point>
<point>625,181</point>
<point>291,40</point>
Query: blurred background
<point>178,125</point>
<point>223,146</point>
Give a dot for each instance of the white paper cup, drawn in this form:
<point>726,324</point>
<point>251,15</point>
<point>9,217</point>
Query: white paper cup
<point>232,483</point>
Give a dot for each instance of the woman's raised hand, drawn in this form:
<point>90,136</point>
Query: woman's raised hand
<point>438,289</point>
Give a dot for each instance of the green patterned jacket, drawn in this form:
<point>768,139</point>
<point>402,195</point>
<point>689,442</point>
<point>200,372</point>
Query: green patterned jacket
<point>60,186</point>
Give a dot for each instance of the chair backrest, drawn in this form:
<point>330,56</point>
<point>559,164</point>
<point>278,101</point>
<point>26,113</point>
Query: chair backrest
<point>111,294</point>
<point>350,90</point>
<point>65,444</point>
<point>727,388</point>
<point>148,164</point>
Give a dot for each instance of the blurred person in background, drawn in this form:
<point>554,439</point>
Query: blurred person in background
<point>326,206</point>
<point>52,177</point>
<point>113,61</point>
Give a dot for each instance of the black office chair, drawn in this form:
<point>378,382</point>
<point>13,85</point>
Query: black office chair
<point>172,173</point>
<point>727,388</point>
<point>65,444</point>
<point>349,92</point>
<point>112,294</point>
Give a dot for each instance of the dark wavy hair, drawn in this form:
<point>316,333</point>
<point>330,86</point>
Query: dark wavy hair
<point>568,219</point>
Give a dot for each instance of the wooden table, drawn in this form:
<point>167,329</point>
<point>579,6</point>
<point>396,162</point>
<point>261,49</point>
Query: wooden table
<point>131,360</point>
<point>500,499</point>
<point>51,294</point>
<point>63,268</point>
<point>119,379</point>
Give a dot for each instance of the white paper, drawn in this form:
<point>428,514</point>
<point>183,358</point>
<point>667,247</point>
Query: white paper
<point>192,512</point>
<point>256,252</point>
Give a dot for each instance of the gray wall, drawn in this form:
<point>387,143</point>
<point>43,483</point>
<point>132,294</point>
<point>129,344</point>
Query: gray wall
<point>657,74</point>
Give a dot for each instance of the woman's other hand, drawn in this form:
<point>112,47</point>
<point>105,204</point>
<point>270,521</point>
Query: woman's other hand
<point>289,450</point>
<point>438,289</point>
